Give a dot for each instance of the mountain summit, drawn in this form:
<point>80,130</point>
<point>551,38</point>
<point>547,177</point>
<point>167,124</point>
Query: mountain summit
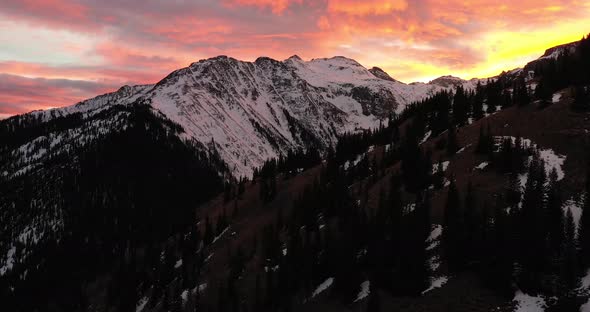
<point>252,111</point>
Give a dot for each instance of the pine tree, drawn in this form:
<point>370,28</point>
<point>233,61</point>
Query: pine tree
<point>478,102</point>
<point>453,231</point>
<point>416,167</point>
<point>500,261</point>
<point>513,191</point>
<point>414,271</point>
<point>396,207</point>
<point>480,147</point>
<point>460,107</point>
<point>581,99</point>
<point>273,187</point>
<point>555,220</point>
<point>485,142</point>
<point>440,119</point>
<point>533,231</point>
<point>452,144</point>
<point>472,222</point>
<point>584,227</point>
<point>522,96</point>
<point>570,261</point>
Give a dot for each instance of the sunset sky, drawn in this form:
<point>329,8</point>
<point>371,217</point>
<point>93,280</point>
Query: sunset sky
<point>57,52</point>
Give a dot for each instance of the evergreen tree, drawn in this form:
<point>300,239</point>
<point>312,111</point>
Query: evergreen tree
<point>453,230</point>
<point>555,214</point>
<point>521,93</point>
<point>440,118</point>
<point>396,207</point>
<point>452,144</point>
<point>533,231</point>
<point>472,221</point>
<point>513,191</point>
<point>485,142</point>
<point>584,227</point>
<point>543,91</point>
<point>499,264</point>
<point>570,261</point>
<point>478,99</point>
<point>460,107</point>
<point>506,100</point>
<point>581,99</point>
<point>414,270</point>
<point>416,167</point>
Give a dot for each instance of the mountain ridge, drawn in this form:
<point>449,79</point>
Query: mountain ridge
<point>253,111</point>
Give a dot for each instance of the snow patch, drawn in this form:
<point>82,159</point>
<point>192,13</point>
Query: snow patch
<point>433,239</point>
<point>184,296</point>
<point>322,287</point>
<point>463,149</point>
<point>9,261</point>
<point>527,303</point>
<point>141,304</point>
<point>585,282</point>
<point>365,291</point>
<point>482,165</point>
<point>348,164</point>
<point>220,235</point>
<point>426,137</point>
<point>445,165</point>
<point>436,282</point>
<point>553,161</point>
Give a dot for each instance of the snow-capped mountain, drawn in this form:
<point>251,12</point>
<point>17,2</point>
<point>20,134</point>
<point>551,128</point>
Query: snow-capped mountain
<point>253,111</point>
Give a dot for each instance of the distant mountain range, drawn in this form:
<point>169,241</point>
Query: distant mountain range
<point>252,111</point>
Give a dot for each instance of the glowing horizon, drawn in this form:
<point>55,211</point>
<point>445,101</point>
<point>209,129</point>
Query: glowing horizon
<point>58,52</point>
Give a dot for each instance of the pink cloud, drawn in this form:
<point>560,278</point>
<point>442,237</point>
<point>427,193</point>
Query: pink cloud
<point>142,41</point>
<point>277,6</point>
<point>20,94</point>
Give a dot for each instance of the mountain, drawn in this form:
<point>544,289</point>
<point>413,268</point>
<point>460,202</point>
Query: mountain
<point>133,200</point>
<point>253,111</point>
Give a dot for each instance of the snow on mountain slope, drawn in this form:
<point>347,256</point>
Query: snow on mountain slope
<point>125,95</point>
<point>252,111</point>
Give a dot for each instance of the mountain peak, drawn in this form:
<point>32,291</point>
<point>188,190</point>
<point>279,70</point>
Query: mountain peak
<point>380,73</point>
<point>447,81</point>
<point>338,60</point>
<point>295,57</point>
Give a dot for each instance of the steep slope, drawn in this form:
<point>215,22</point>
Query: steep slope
<point>88,191</point>
<point>252,111</point>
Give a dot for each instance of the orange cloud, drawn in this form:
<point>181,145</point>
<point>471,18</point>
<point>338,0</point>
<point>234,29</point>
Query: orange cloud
<point>369,7</point>
<point>277,6</point>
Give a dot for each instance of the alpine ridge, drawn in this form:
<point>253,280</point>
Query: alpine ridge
<point>252,111</point>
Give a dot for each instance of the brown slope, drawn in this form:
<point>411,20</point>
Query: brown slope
<point>555,127</point>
